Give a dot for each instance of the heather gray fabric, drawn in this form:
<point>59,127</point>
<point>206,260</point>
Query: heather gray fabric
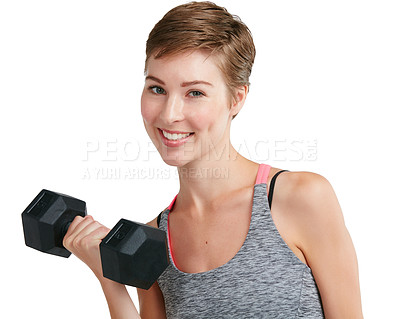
<point>265,279</point>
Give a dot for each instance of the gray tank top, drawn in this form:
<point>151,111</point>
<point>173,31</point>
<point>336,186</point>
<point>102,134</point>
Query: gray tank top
<point>265,279</point>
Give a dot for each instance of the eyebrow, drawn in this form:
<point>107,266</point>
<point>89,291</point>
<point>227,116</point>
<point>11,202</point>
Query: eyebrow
<point>150,77</point>
<point>183,84</point>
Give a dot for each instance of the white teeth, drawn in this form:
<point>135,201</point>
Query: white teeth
<point>175,136</point>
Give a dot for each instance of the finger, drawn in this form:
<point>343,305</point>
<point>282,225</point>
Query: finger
<point>81,225</point>
<point>74,223</point>
<point>76,226</point>
<point>87,230</point>
<point>93,237</point>
<point>100,233</point>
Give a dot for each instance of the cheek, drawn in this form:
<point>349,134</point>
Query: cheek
<point>148,110</point>
<point>210,118</point>
<point>199,120</point>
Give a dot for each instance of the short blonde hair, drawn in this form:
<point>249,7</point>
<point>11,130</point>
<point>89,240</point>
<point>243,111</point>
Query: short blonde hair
<point>206,26</point>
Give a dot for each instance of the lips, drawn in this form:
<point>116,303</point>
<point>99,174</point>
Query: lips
<point>174,138</point>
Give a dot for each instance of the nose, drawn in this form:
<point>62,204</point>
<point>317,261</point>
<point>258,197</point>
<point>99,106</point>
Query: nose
<point>172,110</point>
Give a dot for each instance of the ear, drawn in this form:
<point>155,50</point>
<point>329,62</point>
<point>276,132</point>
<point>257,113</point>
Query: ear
<point>239,99</point>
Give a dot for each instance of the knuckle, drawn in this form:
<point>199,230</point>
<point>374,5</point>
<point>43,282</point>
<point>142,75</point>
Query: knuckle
<point>104,230</point>
<point>78,219</point>
<point>76,243</point>
<point>85,242</point>
<point>89,242</point>
<point>96,223</point>
<point>67,242</point>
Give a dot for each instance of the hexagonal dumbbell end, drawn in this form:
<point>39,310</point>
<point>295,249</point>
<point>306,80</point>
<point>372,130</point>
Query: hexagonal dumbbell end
<point>134,254</point>
<point>46,220</point>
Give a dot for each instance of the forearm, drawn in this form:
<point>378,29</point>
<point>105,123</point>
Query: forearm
<point>119,302</point>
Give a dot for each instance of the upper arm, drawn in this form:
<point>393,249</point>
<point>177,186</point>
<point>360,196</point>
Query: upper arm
<point>151,301</point>
<point>326,244</point>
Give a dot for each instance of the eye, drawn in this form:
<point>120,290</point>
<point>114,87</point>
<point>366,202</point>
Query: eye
<point>196,94</point>
<point>157,90</point>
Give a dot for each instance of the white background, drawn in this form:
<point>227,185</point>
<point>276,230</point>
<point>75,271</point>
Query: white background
<point>324,94</point>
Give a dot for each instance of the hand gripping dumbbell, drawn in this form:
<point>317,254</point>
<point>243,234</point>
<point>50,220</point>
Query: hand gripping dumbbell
<point>133,254</point>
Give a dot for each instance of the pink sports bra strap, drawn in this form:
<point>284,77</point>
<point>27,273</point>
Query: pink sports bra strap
<point>262,175</point>
<point>172,203</point>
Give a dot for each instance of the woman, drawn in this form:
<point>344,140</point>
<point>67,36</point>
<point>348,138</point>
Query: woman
<point>231,255</point>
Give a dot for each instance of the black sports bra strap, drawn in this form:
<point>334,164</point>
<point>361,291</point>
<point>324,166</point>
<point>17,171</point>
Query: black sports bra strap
<point>271,187</point>
<point>158,219</point>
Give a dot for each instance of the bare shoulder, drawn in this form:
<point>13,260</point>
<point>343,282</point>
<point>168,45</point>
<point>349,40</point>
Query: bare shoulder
<point>308,192</point>
<point>302,180</point>
<point>307,207</point>
<point>316,198</point>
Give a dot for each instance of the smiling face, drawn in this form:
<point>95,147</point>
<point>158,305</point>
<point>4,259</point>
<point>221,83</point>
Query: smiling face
<point>186,108</point>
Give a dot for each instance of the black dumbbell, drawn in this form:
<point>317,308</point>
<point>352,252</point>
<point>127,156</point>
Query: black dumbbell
<point>132,253</point>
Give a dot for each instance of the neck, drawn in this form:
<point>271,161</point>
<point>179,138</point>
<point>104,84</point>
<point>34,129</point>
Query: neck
<point>203,182</point>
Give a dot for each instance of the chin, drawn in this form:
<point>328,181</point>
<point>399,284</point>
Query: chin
<point>175,157</point>
<point>173,161</point>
